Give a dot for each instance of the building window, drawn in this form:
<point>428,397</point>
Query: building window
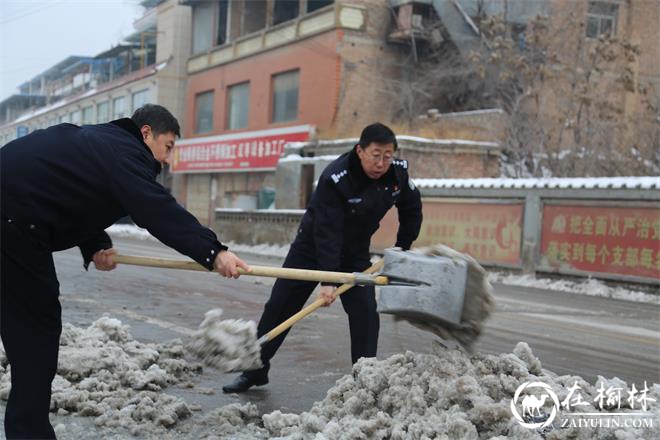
<point>601,19</point>
<point>75,117</point>
<point>202,26</point>
<point>313,5</point>
<point>118,108</point>
<point>223,13</point>
<point>140,98</point>
<point>103,112</point>
<point>88,115</point>
<point>285,10</point>
<point>204,112</point>
<point>285,96</point>
<point>254,16</point>
<point>238,105</point>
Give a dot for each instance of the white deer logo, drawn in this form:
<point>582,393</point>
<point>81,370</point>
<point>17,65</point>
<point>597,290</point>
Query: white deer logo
<point>531,403</point>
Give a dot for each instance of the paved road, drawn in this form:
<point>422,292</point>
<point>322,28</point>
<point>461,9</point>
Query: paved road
<point>571,334</point>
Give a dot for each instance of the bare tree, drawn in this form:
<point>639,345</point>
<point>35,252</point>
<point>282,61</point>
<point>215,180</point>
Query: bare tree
<point>565,94</point>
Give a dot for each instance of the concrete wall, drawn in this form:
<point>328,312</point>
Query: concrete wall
<point>257,227</point>
<point>280,226</point>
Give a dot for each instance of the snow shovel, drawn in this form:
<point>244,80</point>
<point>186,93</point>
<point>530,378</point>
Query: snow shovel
<point>267,271</point>
<point>423,287</point>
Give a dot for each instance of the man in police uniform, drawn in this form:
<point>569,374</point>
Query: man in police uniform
<point>353,194</point>
<point>61,187</point>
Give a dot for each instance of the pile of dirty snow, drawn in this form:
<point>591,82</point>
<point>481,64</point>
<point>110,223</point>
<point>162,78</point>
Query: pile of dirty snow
<point>448,395</point>
<point>104,373</point>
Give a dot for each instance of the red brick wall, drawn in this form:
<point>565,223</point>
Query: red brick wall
<point>316,57</point>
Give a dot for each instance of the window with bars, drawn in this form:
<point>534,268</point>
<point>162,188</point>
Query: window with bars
<point>601,19</point>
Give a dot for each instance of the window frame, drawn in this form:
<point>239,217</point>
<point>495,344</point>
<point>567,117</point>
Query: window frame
<point>196,128</point>
<point>230,88</point>
<point>115,115</point>
<point>273,106</point>
<point>600,17</point>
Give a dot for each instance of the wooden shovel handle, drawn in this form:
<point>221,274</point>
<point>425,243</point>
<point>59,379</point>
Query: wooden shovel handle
<point>378,265</point>
<point>260,271</point>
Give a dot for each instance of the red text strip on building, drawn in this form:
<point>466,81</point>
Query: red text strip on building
<point>253,150</point>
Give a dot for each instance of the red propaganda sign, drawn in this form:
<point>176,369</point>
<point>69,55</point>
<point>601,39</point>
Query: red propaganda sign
<point>254,150</point>
<point>602,239</point>
<point>490,232</point>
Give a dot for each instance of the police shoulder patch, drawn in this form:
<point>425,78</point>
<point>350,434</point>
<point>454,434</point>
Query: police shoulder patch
<point>400,163</point>
<point>336,177</point>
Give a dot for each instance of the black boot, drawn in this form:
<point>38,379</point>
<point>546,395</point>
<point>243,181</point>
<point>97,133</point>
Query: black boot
<point>245,381</point>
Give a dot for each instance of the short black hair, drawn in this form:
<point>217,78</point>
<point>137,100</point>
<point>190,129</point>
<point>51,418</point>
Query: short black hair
<point>158,118</point>
<point>378,133</point>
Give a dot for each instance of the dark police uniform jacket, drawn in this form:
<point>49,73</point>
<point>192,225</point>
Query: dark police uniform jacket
<point>346,209</point>
<point>68,183</point>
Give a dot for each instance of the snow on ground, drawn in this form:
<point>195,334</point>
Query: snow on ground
<point>589,286</point>
<point>132,231</point>
<point>103,373</point>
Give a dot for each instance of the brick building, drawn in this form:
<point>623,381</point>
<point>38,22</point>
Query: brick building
<point>263,73</point>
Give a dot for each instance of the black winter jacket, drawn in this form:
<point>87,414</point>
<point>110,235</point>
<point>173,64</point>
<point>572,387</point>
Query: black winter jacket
<point>346,208</point>
<point>72,182</point>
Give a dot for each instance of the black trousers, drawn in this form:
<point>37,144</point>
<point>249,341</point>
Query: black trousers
<point>30,326</point>
<point>289,296</point>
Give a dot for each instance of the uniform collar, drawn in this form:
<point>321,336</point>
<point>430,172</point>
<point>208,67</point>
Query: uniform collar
<point>360,177</point>
<point>131,127</point>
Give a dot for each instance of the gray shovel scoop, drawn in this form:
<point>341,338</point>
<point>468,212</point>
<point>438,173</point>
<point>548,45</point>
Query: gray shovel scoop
<point>436,288</point>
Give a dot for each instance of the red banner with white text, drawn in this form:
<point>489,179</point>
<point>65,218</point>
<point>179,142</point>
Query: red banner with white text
<point>254,150</point>
<point>602,239</point>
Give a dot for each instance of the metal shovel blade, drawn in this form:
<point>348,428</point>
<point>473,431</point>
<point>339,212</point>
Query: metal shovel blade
<point>439,295</point>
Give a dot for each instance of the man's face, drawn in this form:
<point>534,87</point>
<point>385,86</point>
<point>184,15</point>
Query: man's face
<point>376,159</point>
<point>161,145</point>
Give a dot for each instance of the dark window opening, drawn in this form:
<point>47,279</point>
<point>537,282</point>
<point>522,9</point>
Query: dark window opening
<point>313,5</point>
<point>306,185</point>
<point>223,7</point>
<point>254,16</point>
<point>285,10</point>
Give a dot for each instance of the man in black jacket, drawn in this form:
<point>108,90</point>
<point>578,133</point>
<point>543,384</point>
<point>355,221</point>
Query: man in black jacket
<point>352,196</point>
<point>61,187</point>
